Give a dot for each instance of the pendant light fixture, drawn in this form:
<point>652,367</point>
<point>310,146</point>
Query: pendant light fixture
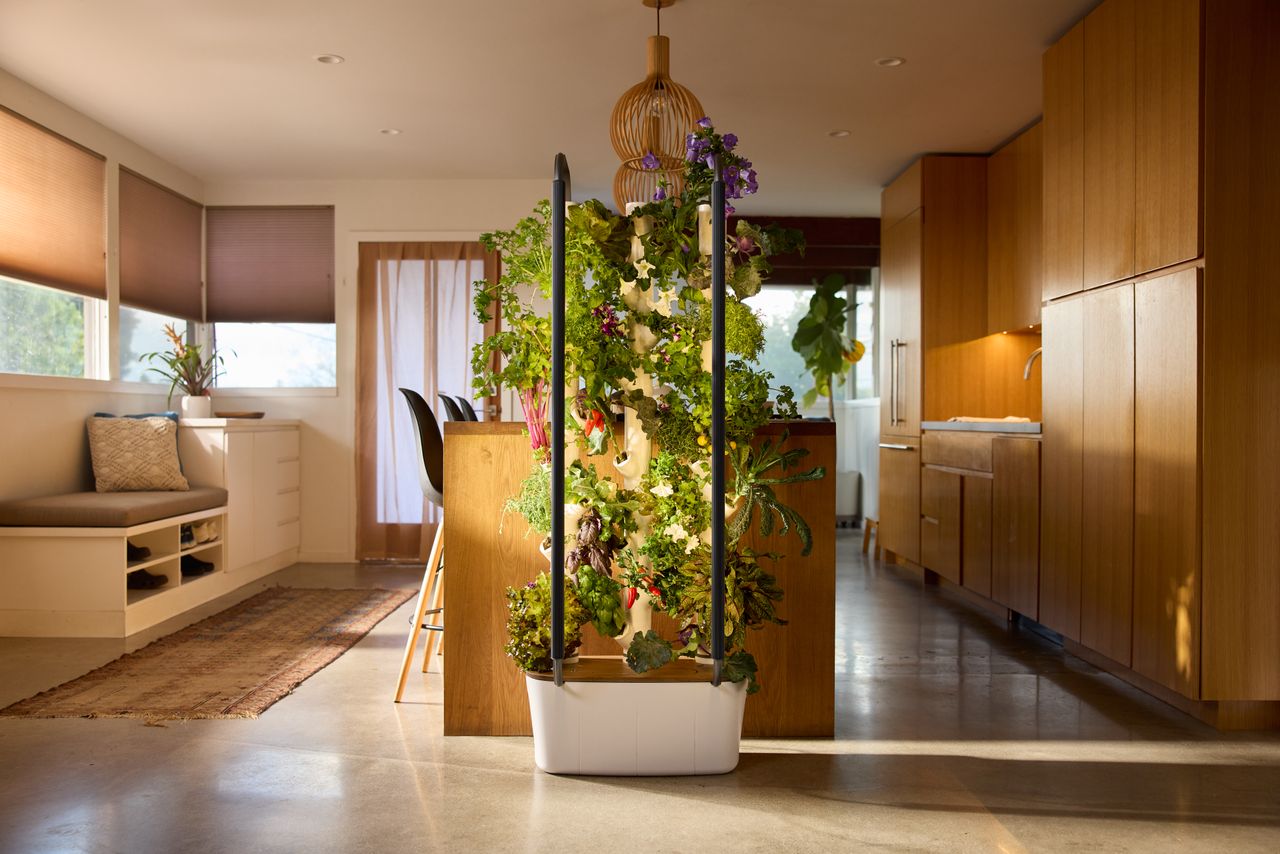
<point>652,117</point>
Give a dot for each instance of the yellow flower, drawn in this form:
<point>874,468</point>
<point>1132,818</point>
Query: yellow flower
<point>855,353</point>
<point>702,441</point>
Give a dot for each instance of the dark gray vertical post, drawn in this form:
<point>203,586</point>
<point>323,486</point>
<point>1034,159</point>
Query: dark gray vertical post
<point>717,425</point>
<point>559,195</point>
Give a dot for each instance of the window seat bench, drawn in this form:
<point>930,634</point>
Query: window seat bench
<point>64,561</point>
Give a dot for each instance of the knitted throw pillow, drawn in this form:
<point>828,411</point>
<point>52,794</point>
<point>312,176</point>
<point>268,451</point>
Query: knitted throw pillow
<point>135,454</point>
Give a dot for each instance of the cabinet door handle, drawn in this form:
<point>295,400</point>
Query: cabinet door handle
<point>893,382</point>
<point>896,396</point>
<point>890,446</point>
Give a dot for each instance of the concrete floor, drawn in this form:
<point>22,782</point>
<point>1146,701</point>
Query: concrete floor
<point>955,733</point>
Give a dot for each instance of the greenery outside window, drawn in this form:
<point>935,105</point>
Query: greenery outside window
<point>45,331</point>
<point>277,355</point>
<point>781,307</point>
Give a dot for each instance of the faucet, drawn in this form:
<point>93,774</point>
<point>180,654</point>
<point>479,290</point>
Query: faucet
<point>1026,369</point>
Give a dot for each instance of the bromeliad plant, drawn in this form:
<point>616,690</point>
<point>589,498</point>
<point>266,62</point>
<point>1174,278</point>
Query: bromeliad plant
<point>184,366</point>
<point>637,329</point>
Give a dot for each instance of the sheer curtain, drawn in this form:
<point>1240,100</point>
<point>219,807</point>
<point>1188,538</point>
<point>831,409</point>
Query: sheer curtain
<point>420,336</point>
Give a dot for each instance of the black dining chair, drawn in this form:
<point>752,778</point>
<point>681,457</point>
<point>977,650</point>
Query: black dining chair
<point>468,411</point>
<point>451,410</point>
<point>430,447</point>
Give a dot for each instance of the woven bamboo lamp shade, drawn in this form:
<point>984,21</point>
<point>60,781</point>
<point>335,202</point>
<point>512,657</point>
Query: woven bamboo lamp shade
<point>655,115</point>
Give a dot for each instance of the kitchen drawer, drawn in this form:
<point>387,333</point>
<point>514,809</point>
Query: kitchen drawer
<point>956,449</point>
<point>288,475</point>
<point>288,507</point>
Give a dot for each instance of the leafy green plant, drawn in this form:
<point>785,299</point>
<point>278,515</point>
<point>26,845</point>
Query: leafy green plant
<point>751,597</point>
<point>599,595</point>
<point>739,666</point>
<point>533,501</point>
<point>529,623</point>
<point>648,651</point>
<point>823,343</point>
<point>184,366</point>
<point>616,507</point>
<point>756,489</point>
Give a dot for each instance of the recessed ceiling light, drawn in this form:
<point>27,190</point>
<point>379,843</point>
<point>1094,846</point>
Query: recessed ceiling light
<point>330,58</point>
<point>837,134</point>
<point>890,61</point>
<point>390,131</point>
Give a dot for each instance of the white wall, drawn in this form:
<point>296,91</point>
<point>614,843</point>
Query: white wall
<point>42,438</point>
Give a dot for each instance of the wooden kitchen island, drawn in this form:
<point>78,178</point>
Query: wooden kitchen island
<point>484,692</point>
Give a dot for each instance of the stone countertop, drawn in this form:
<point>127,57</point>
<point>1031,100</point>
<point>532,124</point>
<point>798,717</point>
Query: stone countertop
<point>984,426</point>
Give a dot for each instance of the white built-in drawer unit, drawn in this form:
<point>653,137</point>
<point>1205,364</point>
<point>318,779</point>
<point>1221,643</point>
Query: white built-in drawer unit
<point>258,463</point>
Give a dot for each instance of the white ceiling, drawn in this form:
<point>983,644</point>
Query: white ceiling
<point>228,89</point>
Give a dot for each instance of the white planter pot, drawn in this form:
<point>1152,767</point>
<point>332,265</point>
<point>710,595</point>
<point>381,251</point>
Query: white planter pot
<point>704,229</point>
<point>630,729</point>
<point>195,407</point>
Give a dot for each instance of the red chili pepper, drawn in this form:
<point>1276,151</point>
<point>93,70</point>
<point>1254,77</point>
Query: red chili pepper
<point>654,591</point>
<point>632,593</point>
<point>595,421</point>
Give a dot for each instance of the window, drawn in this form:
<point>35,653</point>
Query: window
<point>277,355</point>
<point>42,330</point>
<point>781,307</point>
<point>142,332</point>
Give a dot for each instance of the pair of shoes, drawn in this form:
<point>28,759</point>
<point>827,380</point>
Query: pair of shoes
<point>193,567</point>
<point>186,536</point>
<point>205,532</point>
<point>140,579</point>
<point>135,553</point>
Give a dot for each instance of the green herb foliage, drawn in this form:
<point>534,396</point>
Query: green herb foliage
<point>648,651</point>
<point>529,623</point>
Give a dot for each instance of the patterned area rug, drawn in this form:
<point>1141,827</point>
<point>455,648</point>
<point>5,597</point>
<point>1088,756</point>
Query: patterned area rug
<point>235,664</point>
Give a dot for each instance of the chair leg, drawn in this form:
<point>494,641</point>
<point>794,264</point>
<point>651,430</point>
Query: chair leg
<point>419,611</point>
<point>437,596</point>
<point>866,535</point>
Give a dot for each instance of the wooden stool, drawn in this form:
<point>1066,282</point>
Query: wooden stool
<point>868,526</point>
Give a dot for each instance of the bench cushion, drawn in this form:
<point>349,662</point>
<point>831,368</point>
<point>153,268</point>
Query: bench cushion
<point>107,509</point>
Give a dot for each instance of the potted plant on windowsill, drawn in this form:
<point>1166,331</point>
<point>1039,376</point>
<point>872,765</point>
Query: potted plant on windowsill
<point>187,370</point>
<point>638,503</point>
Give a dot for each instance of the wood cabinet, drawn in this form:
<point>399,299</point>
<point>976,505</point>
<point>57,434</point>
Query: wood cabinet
<point>1106,583</point>
<point>1122,144</point>
<point>1015,524</point>
<point>1161,402</point>
<point>1167,143</point>
<point>980,508</point>
<point>1063,123</point>
<point>975,537</point>
<point>1240,387</point>
<point>933,293</point>
<point>898,529</point>
<point>1062,488</point>
<point>1166,542</point>
<point>900,340</point>
<point>1110,162</point>
<point>1014,224</point>
<point>940,522</point>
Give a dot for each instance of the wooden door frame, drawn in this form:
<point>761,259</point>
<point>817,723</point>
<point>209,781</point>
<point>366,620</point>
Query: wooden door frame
<point>396,547</point>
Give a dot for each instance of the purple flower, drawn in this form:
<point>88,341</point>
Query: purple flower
<point>650,161</point>
<point>711,162</point>
<point>660,194</point>
<point>730,140</point>
<point>684,247</point>
<point>729,210</point>
<point>704,122</point>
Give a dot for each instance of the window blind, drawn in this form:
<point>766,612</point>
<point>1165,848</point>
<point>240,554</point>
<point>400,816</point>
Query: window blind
<point>269,264</point>
<point>53,205</point>
<point>160,236</point>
